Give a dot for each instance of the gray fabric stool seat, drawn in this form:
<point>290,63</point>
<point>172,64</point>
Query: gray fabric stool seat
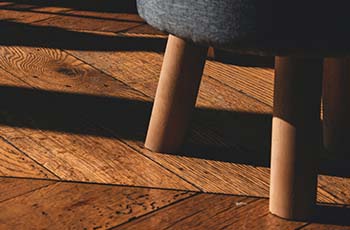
<point>251,26</point>
<point>300,34</point>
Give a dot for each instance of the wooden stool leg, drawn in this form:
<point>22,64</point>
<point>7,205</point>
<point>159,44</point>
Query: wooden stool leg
<point>296,137</point>
<point>176,95</point>
<point>336,105</point>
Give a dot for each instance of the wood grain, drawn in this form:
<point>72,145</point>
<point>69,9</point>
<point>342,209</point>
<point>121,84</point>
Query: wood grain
<point>223,146</point>
<point>14,162</point>
<point>43,136</point>
<point>118,17</point>
<point>256,82</point>
<point>232,177</point>
<point>82,206</point>
<point>140,70</point>
<point>86,120</point>
<point>213,212</point>
<point>80,21</point>
<point>19,14</point>
<point>13,187</point>
<point>338,188</point>
<point>17,164</point>
<point>145,31</point>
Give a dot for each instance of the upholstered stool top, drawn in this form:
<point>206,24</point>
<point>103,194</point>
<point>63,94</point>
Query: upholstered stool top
<point>266,27</point>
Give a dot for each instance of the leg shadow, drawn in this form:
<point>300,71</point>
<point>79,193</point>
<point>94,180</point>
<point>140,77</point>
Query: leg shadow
<point>220,135</point>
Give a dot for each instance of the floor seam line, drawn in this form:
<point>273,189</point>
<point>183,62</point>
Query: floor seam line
<point>182,178</point>
<point>104,184</point>
<point>238,91</point>
<point>105,73</point>
<point>303,226</point>
<point>154,211</point>
<point>34,190</point>
<point>41,20</point>
<point>117,136</point>
<point>27,155</point>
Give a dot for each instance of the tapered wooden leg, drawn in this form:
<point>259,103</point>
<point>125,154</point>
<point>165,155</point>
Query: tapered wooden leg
<point>176,95</point>
<point>336,105</point>
<point>296,137</point>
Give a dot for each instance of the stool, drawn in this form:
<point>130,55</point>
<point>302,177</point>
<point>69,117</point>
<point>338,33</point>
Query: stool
<point>300,35</point>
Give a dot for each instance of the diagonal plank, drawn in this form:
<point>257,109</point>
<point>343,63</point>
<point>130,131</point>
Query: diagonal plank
<point>85,21</point>
<point>81,206</point>
<point>232,184</point>
<point>24,14</point>
<point>15,163</point>
<point>223,139</point>
<point>208,211</point>
<point>13,187</point>
<point>256,82</point>
<point>221,145</point>
<point>47,135</point>
<point>140,70</point>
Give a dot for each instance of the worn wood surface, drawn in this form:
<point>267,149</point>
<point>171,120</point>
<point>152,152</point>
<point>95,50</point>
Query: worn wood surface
<point>45,137</point>
<point>13,187</point>
<point>213,212</point>
<point>14,162</point>
<point>81,206</point>
<point>82,22</point>
<point>24,14</point>
<point>75,105</point>
<point>212,136</point>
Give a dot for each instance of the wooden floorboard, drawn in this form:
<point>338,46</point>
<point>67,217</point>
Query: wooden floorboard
<point>212,136</point>
<point>13,162</point>
<point>140,70</point>
<point>13,187</point>
<point>21,13</point>
<point>43,135</point>
<point>77,83</point>
<point>207,211</point>
<point>84,21</point>
<point>65,205</point>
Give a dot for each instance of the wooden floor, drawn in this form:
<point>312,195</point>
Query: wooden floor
<point>77,81</point>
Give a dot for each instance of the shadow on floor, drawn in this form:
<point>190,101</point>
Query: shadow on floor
<point>21,34</point>
<point>332,214</point>
<point>24,34</point>
<point>112,6</point>
<point>220,135</point>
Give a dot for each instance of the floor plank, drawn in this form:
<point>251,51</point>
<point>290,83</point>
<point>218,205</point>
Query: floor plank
<point>256,82</point>
<point>13,187</point>
<point>118,17</point>
<point>15,163</point>
<point>23,14</point>
<point>203,175</point>
<point>338,187</point>
<point>207,211</point>
<point>144,31</point>
<point>212,136</point>
<point>83,21</point>
<point>82,206</point>
<point>43,134</point>
<point>82,113</point>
